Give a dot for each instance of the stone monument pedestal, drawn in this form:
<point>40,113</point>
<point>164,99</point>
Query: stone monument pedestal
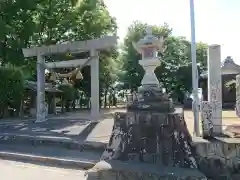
<point>150,141</point>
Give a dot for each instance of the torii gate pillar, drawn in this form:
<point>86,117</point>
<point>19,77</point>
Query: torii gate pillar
<point>95,97</point>
<point>41,108</point>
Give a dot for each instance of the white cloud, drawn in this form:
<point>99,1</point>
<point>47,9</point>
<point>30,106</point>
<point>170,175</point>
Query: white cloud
<point>216,20</point>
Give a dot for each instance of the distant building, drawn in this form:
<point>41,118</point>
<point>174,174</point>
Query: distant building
<point>229,71</point>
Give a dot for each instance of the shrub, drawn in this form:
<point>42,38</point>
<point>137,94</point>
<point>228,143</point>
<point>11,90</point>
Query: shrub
<point>11,86</point>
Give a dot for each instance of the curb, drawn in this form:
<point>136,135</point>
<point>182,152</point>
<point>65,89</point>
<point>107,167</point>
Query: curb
<point>99,146</point>
<point>40,141</point>
<point>43,160</point>
<point>65,143</point>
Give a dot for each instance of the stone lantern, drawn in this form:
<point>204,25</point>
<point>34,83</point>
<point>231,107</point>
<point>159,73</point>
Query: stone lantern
<point>149,47</point>
<point>150,95</point>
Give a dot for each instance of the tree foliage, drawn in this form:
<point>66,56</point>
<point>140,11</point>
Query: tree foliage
<point>68,91</point>
<point>12,86</point>
<point>45,22</point>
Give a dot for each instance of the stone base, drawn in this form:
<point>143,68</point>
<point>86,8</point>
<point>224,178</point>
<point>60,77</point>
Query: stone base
<point>151,98</point>
<point>150,137</point>
<point>149,142</point>
<point>117,170</point>
<point>219,159</point>
<point>149,146</point>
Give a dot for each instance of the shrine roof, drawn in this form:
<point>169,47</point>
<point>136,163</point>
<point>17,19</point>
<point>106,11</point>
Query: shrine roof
<point>32,85</point>
<point>228,67</point>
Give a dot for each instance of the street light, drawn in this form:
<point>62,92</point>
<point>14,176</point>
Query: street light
<point>194,71</point>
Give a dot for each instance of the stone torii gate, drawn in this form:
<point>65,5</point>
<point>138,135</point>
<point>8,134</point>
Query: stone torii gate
<point>74,47</point>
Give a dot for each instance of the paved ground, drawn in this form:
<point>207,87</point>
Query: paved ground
<point>73,126</point>
<point>229,120</point>
<point>77,126</point>
<point>11,170</point>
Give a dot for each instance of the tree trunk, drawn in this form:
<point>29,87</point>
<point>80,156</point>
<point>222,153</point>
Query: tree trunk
<point>21,108</point>
<point>1,111</point>
<point>67,106</point>
<point>74,104</point>
<point>105,98</point>
<point>81,100</point>
<point>62,105</point>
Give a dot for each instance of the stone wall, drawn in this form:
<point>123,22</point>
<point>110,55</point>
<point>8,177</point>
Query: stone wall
<point>219,160</point>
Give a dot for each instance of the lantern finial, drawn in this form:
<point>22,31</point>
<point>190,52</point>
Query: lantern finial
<point>149,30</point>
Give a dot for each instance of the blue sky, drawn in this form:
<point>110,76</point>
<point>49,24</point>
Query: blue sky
<point>217,21</point>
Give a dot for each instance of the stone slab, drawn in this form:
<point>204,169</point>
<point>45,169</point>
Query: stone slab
<point>228,140</point>
<point>199,140</point>
<point>233,130</point>
<point>215,86</point>
<point>72,130</point>
<point>206,118</point>
<point>100,135</point>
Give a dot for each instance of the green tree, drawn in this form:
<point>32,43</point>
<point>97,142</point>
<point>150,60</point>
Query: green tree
<point>12,87</point>
<point>38,22</point>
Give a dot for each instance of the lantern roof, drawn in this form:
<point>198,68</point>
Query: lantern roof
<point>149,40</point>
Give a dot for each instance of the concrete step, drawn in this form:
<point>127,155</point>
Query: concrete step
<point>50,156</point>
